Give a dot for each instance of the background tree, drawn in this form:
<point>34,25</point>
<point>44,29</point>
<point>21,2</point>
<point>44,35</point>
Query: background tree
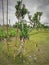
<point>36,19</point>
<point>30,18</point>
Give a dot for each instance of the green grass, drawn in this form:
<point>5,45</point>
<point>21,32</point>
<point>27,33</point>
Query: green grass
<point>32,55</point>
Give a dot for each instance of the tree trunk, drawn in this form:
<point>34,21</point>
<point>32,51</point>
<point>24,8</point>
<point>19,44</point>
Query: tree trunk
<point>20,50</point>
<point>16,40</point>
<point>7,29</point>
<point>3,12</point>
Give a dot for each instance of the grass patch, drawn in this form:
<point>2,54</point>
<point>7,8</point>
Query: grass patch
<point>32,54</point>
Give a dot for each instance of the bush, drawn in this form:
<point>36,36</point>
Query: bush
<point>2,33</point>
<point>11,32</point>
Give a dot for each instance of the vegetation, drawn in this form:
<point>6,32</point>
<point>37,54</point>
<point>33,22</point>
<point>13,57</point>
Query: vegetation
<point>11,32</point>
<point>21,11</point>
<point>35,50</point>
<point>22,45</point>
<point>2,34</point>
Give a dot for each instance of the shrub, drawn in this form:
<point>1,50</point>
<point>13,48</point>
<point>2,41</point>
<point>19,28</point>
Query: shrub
<point>11,32</point>
<point>2,33</point>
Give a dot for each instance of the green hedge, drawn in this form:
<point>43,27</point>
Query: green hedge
<point>11,33</point>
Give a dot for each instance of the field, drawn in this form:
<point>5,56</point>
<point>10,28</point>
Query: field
<point>35,50</point>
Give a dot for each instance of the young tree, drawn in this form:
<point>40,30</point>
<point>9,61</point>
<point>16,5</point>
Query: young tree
<point>21,11</point>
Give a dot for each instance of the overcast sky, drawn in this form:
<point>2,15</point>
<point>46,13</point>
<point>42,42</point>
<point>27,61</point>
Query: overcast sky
<point>32,5</point>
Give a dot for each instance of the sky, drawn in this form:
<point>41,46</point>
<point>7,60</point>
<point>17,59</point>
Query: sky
<point>32,5</point>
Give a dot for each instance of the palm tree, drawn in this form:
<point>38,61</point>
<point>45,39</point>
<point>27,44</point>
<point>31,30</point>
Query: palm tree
<point>7,27</point>
<point>3,11</point>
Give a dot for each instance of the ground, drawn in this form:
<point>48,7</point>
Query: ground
<point>35,50</point>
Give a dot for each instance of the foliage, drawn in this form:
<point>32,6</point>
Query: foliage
<point>36,19</point>
<point>2,33</point>
<point>11,32</point>
<point>18,9</point>
<point>21,10</point>
<point>24,32</point>
<point>24,11</point>
<point>44,26</point>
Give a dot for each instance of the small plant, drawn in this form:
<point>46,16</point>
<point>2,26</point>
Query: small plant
<point>2,33</point>
<point>11,32</point>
